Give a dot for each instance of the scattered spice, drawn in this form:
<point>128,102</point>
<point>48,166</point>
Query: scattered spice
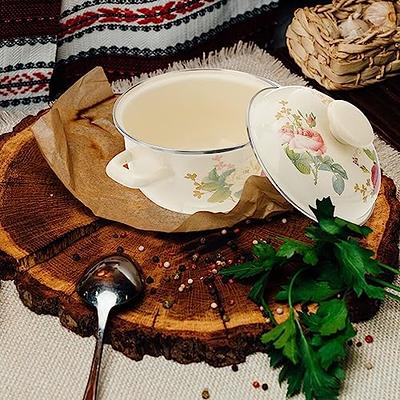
<point>230,280</point>
<point>155,259</point>
<point>235,368</point>
<point>177,276</point>
<point>369,339</point>
<point>153,290</point>
<point>141,248</point>
<point>194,266</point>
<point>167,264</point>
<point>167,304</point>
<point>214,271</point>
<point>190,281</point>
<point>231,302</point>
<point>120,249</point>
<point>256,384</point>
<point>284,220</point>
<point>195,257</point>
<point>205,394</point>
<point>214,305</point>
<point>202,240</point>
<point>255,241</point>
<point>76,257</point>
<point>226,318</point>
<point>115,235</point>
<point>224,232</point>
<point>236,230</point>
<point>230,261</point>
<point>268,320</point>
<point>182,268</point>
<point>149,280</point>
<point>51,194</point>
<point>358,344</point>
<point>279,310</point>
<point>264,386</point>
<point>368,365</point>
<point>181,288</point>
<point>350,342</point>
<point>123,235</point>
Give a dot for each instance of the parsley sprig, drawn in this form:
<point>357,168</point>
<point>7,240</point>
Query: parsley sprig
<point>310,347</point>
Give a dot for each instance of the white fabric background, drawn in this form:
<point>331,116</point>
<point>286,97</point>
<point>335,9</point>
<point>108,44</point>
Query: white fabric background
<point>41,360</point>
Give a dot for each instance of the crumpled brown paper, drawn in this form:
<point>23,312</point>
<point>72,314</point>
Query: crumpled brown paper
<point>77,138</point>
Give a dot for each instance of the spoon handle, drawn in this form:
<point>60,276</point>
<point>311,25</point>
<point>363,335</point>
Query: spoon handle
<point>91,386</point>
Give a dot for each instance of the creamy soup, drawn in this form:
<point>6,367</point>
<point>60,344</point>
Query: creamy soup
<point>190,110</point>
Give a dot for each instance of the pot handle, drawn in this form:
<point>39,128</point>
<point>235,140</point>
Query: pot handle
<point>117,171</point>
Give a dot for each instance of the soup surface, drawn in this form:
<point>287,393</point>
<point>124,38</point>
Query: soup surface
<point>202,110</point>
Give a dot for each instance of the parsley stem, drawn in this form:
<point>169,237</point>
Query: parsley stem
<point>389,268</point>
<point>392,296</point>
<point>385,284</point>
<point>268,311</point>
<point>291,285</point>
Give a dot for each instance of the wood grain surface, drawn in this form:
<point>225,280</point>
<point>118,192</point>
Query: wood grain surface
<point>48,240</point>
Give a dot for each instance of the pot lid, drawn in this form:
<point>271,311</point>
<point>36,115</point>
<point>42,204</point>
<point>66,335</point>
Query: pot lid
<point>311,146</point>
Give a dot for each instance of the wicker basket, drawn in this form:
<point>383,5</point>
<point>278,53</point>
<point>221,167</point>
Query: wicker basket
<point>315,43</point>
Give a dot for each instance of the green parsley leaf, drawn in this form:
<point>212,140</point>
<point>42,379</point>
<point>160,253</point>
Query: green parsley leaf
<point>291,247</point>
<point>359,230</point>
<point>257,291</point>
<point>317,383</point>
<point>324,210</point>
<point>263,251</point>
<point>284,336</point>
<point>330,317</point>
<point>242,271</point>
<point>356,262</point>
<point>294,375</point>
<point>306,289</point>
<point>333,348</point>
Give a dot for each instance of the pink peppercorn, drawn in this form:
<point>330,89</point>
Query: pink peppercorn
<point>369,339</point>
<point>256,384</point>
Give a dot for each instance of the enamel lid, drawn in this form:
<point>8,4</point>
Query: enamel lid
<point>311,146</point>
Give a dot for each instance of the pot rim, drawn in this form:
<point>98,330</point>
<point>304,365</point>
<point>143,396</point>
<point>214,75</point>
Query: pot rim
<point>187,152</point>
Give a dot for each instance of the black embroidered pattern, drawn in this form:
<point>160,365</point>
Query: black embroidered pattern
<point>91,3</point>
<point>168,51</point>
<point>21,41</point>
<point>168,25</point>
<point>30,65</point>
<point>23,83</point>
<point>25,101</point>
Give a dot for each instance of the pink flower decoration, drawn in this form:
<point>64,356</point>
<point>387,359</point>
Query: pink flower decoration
<point>303,139</point>
<point>374,175</point>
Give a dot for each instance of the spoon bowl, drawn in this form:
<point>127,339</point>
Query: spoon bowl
<point>111,282</point>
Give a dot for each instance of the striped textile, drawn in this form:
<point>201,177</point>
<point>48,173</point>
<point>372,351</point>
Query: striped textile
<point>45,45</point>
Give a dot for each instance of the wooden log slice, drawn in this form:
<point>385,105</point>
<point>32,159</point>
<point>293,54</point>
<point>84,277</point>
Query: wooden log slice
<point>48,240</point>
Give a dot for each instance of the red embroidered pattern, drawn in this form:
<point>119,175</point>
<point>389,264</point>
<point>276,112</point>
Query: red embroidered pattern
<point>39,81</point>
<point>153,15</point>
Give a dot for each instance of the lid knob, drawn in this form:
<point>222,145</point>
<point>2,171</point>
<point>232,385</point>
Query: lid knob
<point>349,125</point>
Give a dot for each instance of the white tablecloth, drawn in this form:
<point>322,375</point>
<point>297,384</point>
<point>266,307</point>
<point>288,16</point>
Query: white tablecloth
<point>41,360</point>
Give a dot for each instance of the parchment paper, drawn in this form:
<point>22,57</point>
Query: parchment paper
<point>77,138</point>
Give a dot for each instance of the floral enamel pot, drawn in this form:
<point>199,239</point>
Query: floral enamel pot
<point>311,146</point>
<point>186,143</point>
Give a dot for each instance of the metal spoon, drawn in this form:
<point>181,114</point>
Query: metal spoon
<point>111,282</point>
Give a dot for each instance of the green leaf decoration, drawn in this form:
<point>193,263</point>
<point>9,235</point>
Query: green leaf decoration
<point>338,183</point>
<point>302,167</point>
<point>220,195</point>
<point>370,154</point>
<point>225,174</point>
<point>210,186</point>
<point>213,175</point>
<point>291,247</point>
<point>284,336</point>
<point>307,290</point>
<point>325,167</point>
<point>355,263</point>
<point>293,156</point>
<point>330,318</point>
<point>263,251</point>
<point>339,170</point>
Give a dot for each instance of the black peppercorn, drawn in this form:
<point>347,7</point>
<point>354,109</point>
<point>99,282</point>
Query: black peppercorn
<point>149,280</point>
<point>76,257</point>
<point>120,249</point>
<point>264,386</point>
<point>156,259</point>
<point>235,368</point>
<point>182,268</point>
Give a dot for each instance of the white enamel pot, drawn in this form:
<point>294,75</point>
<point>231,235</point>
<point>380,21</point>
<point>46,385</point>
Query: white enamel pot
<point>186,144</point>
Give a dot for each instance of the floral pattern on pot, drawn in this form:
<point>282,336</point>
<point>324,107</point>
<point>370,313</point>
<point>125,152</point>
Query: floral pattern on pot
<point>305,147</point>
<point>221,181</point>
<point>370,186</point>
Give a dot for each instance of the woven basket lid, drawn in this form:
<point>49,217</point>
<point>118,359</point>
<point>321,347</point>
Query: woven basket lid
<point>311,146</point>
